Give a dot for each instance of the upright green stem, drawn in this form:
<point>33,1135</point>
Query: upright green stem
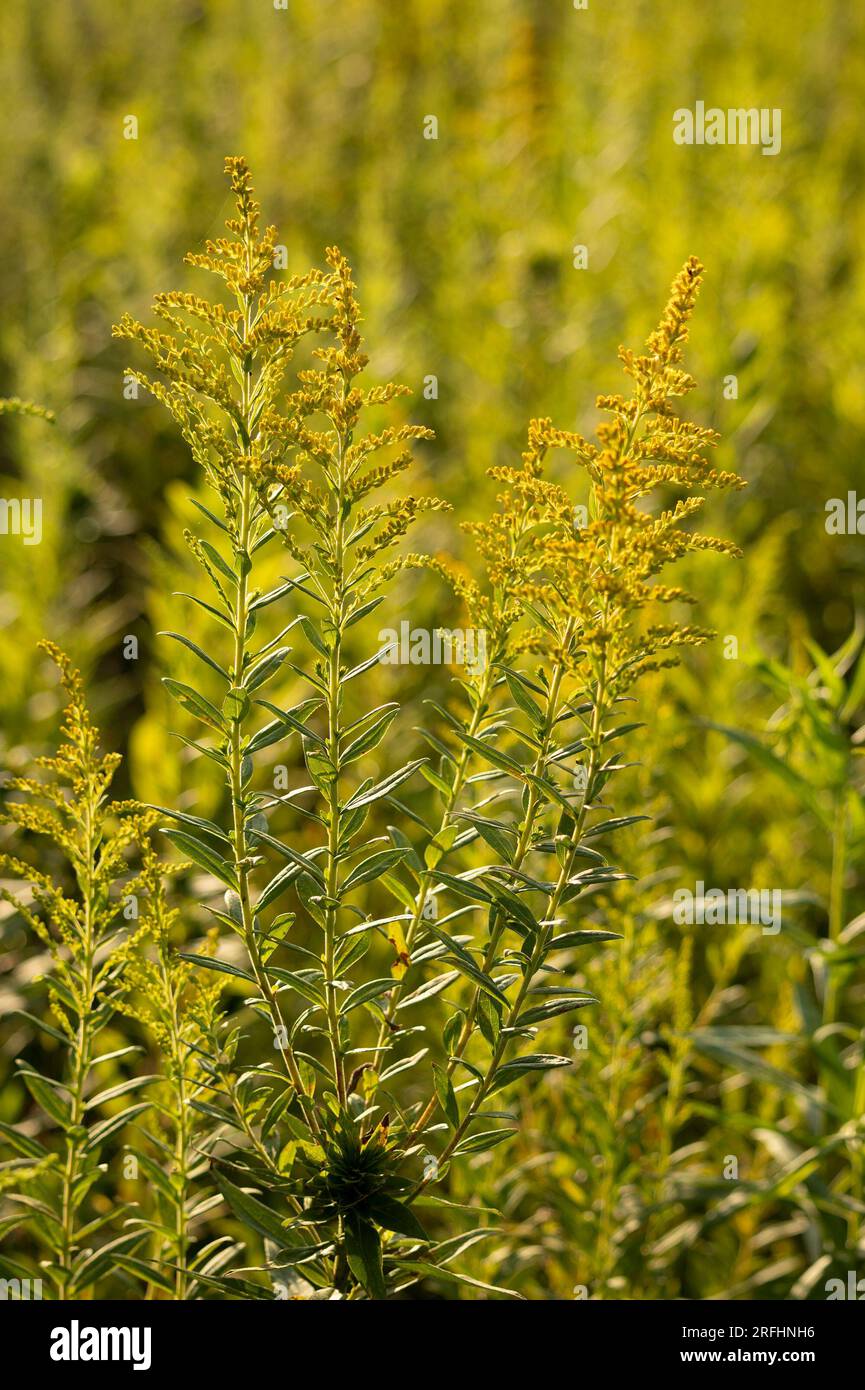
<point>334,734</point>
<point>236,784</point>
<point>180,1177</point>
<point>496,924</point>
<point>540,945</point>
<point>82,1050</point>
<point>603,1256</point>
<point>478,715</point>
<point>830,995</point>
<point>836,896</point>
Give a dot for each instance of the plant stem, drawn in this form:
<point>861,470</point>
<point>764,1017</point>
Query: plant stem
<point>836,895</point>
<point>334,732</point>
<point>496,925</point>
<point>598,712</point>
<point>181,1134</point>
<point>83,1044</point>
<point>457,784</point>
<point>236,781</point>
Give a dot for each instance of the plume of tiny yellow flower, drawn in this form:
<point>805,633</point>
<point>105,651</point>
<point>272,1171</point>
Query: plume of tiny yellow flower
<point>602,575</point>
<point>594,580</point>
<point>337,458</point>
<point>71,806</point>
<point>221,367</point>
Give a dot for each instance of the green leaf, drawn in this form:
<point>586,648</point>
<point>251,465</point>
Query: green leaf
<point>446,1096</point>
<point>202,655</point>
<point>47,1098</point>
<point>372,989</point>
<point>435,780</point>
<point>44,1027</point>
<point>218,562</point>
<point>501,838</point>
<point>780,766</point>
<point>123,1088</point>
<point>372,867</point>
<point>483,1140</point>
<point>194,703</point>
<point>465,888</point>
<point>251,1211</point>
<point>512,906</point>
<point>211,516</point>
<point>261,672</point>
<point>404,1064</point>
<point>450,1276</point>
<point>582,938</point>
<point>304,863</point>
<point>97,1263</point>
<point>371,737</point>
<point>521,697</point>
<point>467,967</point>
<point>454,1246</point>
<point>235,706</point>
<point>98,1133</point>
<point>278,885</point>
<point>212,963</point>
<point>552,1009</point>
<point>363,611</point>
<point>213,754</point>
<point>494,755</point>
<point>427,990</point>
<point>616,823</point>
<point>313,635</point>
<point>222,618</point>
<point>288,719</point>
<point>399,890</point>
<point>30,1148</point>
<point>364,798</point>
<point>306,986</point>
<point>203,856</point>
<point>394,1216</point>
<point>292,1256</point>
<point>195,823</point>
<point>320,767</point>
<point>742,1060</point>
<point>439,846</point>
<point>402,841</point>
<point>550,790</point>
<point>520,1066</point>
<point>146,1270</point>
<point>489,1018</point>
<point>361,668</point>
<point>274,595</point>
<point>363,1252</point>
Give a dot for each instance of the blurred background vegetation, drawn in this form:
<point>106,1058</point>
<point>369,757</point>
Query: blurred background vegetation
<point>554,129</point>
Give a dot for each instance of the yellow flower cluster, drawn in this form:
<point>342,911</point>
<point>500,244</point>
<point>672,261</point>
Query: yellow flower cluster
<point>72,808</point>
<point>592,569</point>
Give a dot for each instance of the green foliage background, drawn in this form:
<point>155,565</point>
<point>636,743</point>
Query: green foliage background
<point>554,129</point>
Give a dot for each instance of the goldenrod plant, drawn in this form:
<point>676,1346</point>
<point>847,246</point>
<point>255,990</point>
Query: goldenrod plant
<point>347,1157</point>
<point>56,1184</point>
<point>740,1175</point>
<point>178,1008</point>
<point>584,598</point>
<point>259,493</point>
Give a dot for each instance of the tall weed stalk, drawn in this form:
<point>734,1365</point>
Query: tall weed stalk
<point>78,925</point>
<point>460,900</point>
